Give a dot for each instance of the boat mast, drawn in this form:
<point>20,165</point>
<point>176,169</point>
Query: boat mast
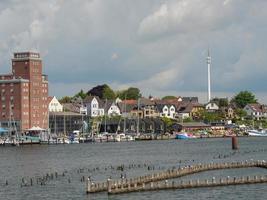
<point>64,122</point>
<point>124,121</point>
<point>105,115</point>
<point>137,128</point>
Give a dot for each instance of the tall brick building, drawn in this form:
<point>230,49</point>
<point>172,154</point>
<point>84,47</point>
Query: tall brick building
<point>24,93</point>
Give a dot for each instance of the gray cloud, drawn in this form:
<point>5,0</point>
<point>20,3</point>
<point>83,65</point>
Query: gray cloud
<point>159,46</point>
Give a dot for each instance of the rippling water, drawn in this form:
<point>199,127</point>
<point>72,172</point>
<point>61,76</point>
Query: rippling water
<point>100,161</point>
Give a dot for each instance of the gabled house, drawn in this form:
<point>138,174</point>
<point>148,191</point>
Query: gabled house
<point>54,105</point>
<point>186,110</point>
<point>166,110</point>
<point>228,112</point>
<point>212,107</point>
<point>146,108</point>
<point>94,105</point>
<point>112,109</point>
<point>256,111</point>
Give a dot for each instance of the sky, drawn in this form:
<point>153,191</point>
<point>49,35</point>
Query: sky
<point>159,46</point>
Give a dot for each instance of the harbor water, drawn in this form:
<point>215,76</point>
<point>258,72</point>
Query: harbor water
<point>64,168</point>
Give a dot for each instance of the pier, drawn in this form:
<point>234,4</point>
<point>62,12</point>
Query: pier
<point>154,181</point>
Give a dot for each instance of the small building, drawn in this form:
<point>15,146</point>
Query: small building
<point>212,107</point>
<point>191,126</point>
<point>256,111</point>
<point>54,105</point>
<point>94,105</point>
<point>166,110</point>
<point>62,123</point>
<point>112,109</point>
<point>186,110</point>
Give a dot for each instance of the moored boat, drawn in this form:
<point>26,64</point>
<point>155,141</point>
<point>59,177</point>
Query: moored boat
<point>184,135</point>
<point>254,132</point>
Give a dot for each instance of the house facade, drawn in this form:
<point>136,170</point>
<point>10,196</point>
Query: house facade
<point>256,111</point>
<point>54,105</point>
<point>113,109</point>
<point>166,110</point>
<point>94,106</point>
<point>212,107</point>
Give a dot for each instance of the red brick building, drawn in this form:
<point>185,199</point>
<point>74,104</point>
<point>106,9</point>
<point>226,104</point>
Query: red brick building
<point>24,93</point>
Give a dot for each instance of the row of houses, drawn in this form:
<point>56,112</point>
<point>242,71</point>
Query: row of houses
<point>180,107</point>
<point>93,106</point>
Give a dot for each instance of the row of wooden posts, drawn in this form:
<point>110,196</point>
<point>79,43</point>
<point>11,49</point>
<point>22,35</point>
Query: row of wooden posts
<point>147,182</point>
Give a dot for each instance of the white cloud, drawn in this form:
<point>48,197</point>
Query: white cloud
<point>157,45</point>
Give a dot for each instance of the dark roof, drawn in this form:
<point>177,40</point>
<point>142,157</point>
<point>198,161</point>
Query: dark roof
<point>193,124</point>
<point>72,107</point>
<point>145,102</point>
<point>160,106</point>
<point>190,99</point>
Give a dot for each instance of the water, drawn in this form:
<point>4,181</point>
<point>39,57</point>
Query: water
<point>102,161</point>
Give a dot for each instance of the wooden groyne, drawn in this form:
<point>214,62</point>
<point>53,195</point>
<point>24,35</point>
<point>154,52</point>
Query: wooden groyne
<point>188,184</point>
<point>138,182</point>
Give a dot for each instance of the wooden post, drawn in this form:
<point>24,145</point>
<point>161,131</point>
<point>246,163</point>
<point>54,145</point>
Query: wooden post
<point>234,143</point>
<point>109,185</point>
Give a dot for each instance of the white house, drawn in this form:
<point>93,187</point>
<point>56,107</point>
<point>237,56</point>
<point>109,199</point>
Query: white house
<point>256,111</point>
<point>212,107</point>
<point>94,106</point>
<point>113,109</point>
<point>168,111</point>
<point>54,105</point>
<point>83,110</point>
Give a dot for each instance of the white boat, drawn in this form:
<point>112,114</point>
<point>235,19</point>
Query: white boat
<point>120,137</point>
<point>254,132</point>
<point>104,137</point>
<point>129,138</point>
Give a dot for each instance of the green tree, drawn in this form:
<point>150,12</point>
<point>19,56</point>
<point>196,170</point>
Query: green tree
<point>188,119</point>
<point>240,113</point>
<point>102,91</point>
<point>243,98</point>
<point>130,93</point>
<point>81,94</point>
<point>221,102</point>
<point>169,97</point>
<point>108,93</point>
<point>168,123</point>
<point>210,116</point>
<point>65,99</point>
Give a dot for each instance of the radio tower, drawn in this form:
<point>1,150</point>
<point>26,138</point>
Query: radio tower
<point>209,64</point>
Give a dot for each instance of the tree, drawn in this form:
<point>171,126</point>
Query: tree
<point>108,93</point>
<point>221,102</point>
<point>210,116</point>
<point>240,113</point>
<point>102,91</point>
<point>65,99</point>
<point>81,94</point>
<point>243,98</point>
<point>169,97</point>
<point>130,93</point>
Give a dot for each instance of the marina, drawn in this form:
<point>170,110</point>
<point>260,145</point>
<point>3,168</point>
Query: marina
<point>61,171</point>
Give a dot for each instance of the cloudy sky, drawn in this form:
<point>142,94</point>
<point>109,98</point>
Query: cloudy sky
<point>159,46</point>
